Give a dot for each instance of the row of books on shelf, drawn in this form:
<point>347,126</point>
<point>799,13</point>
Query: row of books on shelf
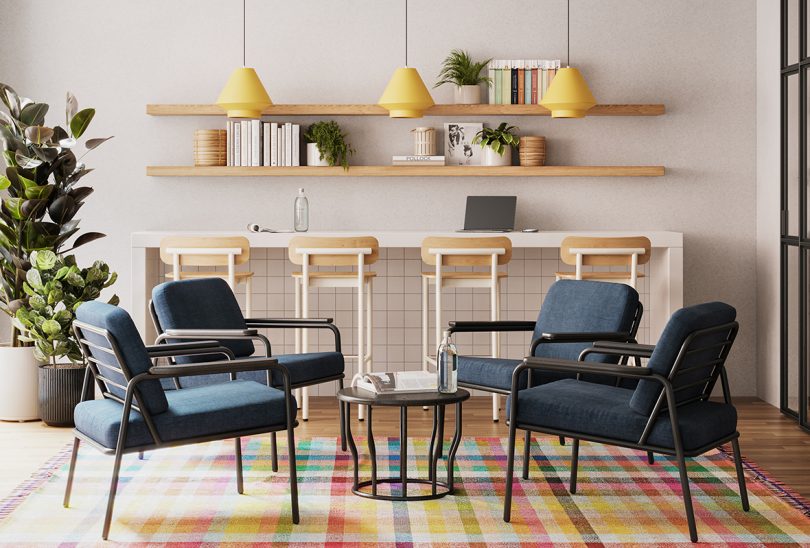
<point>257,143</point>
<point>520,81</point>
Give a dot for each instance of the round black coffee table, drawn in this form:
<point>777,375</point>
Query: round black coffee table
<point>437,401</point>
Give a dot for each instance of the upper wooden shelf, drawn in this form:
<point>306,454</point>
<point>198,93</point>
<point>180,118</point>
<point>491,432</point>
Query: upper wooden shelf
<point>375,110</point>
<point>407,171</point>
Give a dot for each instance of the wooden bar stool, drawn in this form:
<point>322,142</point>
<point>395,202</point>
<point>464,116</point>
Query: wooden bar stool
<point>308,251</point>
<point>203,251</point>
<point>582,251</point>
<point>443,251</point>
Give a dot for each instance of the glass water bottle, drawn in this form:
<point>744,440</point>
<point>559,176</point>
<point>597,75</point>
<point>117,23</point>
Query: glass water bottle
<point>301,213</point>
<point>447,365</point>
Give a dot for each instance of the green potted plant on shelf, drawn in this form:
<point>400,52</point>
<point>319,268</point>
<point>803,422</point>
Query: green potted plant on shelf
<point>326,145</point>
<point>460,70</point>
<point>497,143</point>
<point>41,196</point>
<point>55,287</point>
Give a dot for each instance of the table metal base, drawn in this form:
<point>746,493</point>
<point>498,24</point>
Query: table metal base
<point>445,490</point>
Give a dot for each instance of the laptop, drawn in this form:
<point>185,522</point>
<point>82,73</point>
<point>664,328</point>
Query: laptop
<point>490,214</point>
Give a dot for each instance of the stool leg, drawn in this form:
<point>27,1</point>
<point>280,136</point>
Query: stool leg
<point>297,285</point>
<point>495,315</point>
<point>305,403</point>
<point>361,313</point>
<point>369,312</point>
<point>248,299</point>
<point>424,323</point>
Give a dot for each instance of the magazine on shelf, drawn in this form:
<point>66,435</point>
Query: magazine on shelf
<point>398,382</point>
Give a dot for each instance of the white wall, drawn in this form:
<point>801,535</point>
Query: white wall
<point>694,56</point>
<point>768,183</point>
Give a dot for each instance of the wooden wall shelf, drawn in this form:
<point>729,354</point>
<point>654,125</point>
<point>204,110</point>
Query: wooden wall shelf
<point>408,171</point>
<point>375,110</point>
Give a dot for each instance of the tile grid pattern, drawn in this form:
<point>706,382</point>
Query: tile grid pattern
<point>397,304</point>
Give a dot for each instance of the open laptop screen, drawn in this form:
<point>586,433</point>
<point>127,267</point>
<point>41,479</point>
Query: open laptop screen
<point>490,213</point>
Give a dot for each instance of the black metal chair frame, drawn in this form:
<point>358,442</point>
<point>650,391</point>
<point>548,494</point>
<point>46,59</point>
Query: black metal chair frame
<point>133,401</point>
<point>667,396</point>
<point>251,333</point>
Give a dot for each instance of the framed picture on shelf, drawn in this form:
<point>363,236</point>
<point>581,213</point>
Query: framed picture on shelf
<point>459,149</point>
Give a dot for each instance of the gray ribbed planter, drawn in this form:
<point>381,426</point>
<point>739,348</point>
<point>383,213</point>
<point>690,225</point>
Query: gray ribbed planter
<point>60,390</point>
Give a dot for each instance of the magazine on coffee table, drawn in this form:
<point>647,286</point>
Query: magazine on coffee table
<point>397,382</point>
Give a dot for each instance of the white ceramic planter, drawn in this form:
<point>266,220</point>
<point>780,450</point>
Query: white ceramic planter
<point>492,158</point>
<point>467,95</point>
<point>19,389</point>
<point>314,156</point>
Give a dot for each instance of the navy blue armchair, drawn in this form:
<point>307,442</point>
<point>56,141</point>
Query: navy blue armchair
<point>668,412</point>
<point>136,414</point>
<point>206,308</point>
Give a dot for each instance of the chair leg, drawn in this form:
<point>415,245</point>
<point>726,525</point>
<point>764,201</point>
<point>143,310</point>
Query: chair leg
<point>140,455</point>
<point>650,457</point>
<point>574,463</point>
<point>687,497</point>
<point>510,473</point>
<point>273,452</point>
<point>527,444</point>
<point>562,440</point>
<point>293,474</point>
<point>342,424</point>
<point>735,445</point>
<point>73,455</point>
<point>240,486</point>
<point>111,498</point>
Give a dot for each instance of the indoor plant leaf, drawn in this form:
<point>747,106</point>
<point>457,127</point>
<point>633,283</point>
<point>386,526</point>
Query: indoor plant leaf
<point>79,122</point>
<point>33,114</point>
<point>93,143</point>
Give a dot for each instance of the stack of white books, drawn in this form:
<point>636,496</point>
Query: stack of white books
<point>256,143</point>
<point>398,382</point>
<point>415,160</point>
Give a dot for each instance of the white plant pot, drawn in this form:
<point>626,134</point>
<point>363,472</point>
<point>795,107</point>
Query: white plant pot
<point>19,389</point>
<point>467,95</point>
<point>314,156</point>
<point>492,158</point>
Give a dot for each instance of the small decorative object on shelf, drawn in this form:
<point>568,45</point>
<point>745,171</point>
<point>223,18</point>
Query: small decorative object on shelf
<point>330,147</point>
<point>497,143</point>
<point>301,212</point>
<point>417,160</point>
<point>532,150</point>
<point>460,70</point>
<point>210,147</point>
<point>459,148</point>
<point>520,81</point>
<point>447,365</point>
<point>424,141</point>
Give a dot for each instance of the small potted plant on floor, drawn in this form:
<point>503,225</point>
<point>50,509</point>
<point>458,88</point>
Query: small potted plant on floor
<point>465,74</point>
<point>497,143</point>
<point>54,288</point>
<point>326,145</point>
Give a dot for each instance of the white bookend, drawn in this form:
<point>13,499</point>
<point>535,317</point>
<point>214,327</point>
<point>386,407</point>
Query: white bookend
<point>288,144</point>
<point>266,144</point>
<point>237,144</point>
<point>273,143</point>
<point>296,155</point>
<point>256,143</point>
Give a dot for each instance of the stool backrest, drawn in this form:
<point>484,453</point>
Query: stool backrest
<point>191,250</point>
<point>605,251</point>
<point>460,259</point>
<point>325,243</point>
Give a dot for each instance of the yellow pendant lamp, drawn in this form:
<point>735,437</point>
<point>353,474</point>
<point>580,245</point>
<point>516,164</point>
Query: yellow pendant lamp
<point>568,95</point>
<point>244,95</point>
<point>406,95</point>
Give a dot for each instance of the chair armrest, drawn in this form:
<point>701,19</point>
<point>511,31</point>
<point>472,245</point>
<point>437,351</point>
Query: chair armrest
<point>490,326</point>
<point>274,322</point>
<point>625,349</point>
<point>582,337</point>
<point>208,368</point>
<point>208,333</point>
<point>195,348</point>
<point>569,366</point>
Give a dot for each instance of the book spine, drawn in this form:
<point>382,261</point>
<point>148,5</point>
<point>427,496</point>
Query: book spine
<point>288,144</point>
<point>497,82</point>
<point>273,144</point>
<point>296,135</point>
<point>256,143</point>
<point>513,97</point>
<point>521,83</point>
<point>243,147</point>
<point>534,82</point>
<point>236,153</point>
<point>505,76</point>
<point>282,146</point>
<point>491,86</point>
<point>228,137</point>
<point>527,88</point>
<point>266,144</point>
<point>541,92</point>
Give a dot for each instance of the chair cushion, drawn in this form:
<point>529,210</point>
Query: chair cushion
<point>120,326</point>
<point>303,368</point>
<point>602,410</point>
<point>192,412</point>
<point>206,303</point>
<point>682,323</point>
<point>584,306</point>
<point>496,373</point>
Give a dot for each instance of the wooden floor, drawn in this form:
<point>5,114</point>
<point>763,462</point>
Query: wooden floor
<point>770,440</point>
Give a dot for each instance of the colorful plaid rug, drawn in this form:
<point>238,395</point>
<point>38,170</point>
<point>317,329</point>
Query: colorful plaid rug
<point>188,496</point>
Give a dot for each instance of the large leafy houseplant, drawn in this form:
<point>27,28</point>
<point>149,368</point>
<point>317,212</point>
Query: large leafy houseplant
<point>42,192</point>
<point>459,68</point>
<point>55,287</point>
<point>331,142</point>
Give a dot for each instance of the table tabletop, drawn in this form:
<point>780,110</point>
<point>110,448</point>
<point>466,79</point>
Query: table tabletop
<point>365,397</point>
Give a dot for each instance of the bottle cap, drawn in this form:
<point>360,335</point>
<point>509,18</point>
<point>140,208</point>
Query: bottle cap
<point>300,191</point>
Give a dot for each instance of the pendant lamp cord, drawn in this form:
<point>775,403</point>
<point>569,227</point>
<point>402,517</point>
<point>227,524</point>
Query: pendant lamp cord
<point>568,39</point>
<point>244,34</point>
<point>406,33</point>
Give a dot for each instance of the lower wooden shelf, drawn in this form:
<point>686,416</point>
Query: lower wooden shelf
<point>407,171</point>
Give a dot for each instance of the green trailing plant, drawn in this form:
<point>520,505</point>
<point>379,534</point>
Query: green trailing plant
<point>497,138</point>
<point>331,142</point>
<point>458,68</point>
<point>54,288</point>
<point>41,183</point>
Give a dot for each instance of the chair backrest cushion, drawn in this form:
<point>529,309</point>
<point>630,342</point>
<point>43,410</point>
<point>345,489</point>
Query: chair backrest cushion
<point>117,322</point>
<point>481,242</point>
<point>205,242</point>
<point>683,323</point>
<point>579,306</point>
<point>204,303</point>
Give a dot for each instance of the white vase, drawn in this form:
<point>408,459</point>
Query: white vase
<point>19,390</point>
<point>492,158</point>
<point>467,95</point>
<point>314,156</point>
